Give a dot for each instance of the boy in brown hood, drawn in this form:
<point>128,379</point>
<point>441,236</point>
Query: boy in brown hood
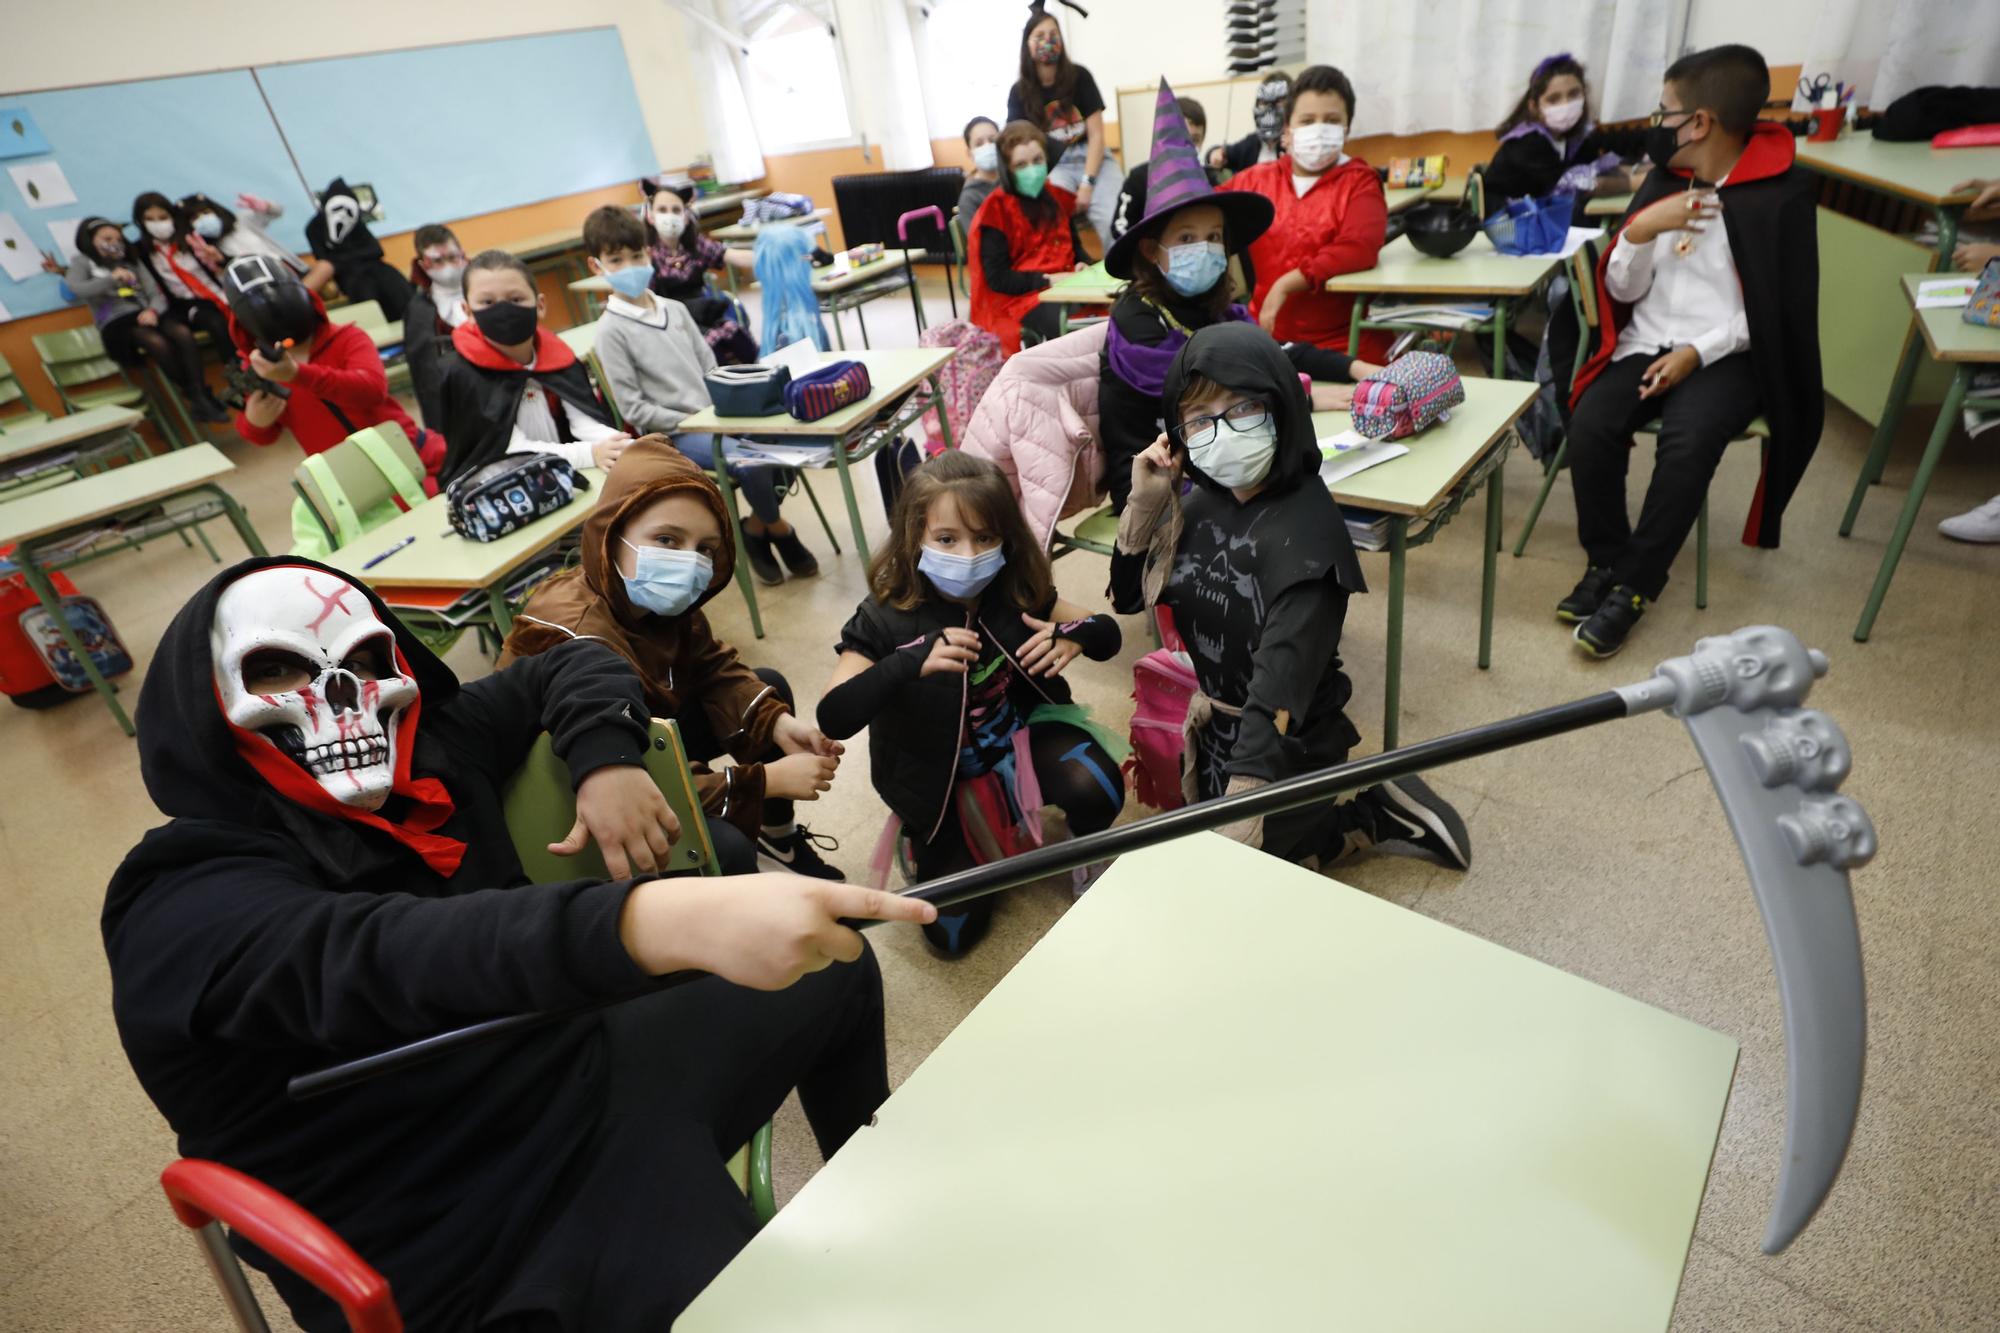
<point>654,550</point>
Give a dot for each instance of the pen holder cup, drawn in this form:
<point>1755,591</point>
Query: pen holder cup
<point>1826,125</point>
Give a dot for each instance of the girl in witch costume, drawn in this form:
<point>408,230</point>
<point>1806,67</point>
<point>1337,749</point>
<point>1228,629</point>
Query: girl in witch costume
<point>1177,257</point>
<point>954,664</point>
<point>335,877</point>
<point>1256,565</point>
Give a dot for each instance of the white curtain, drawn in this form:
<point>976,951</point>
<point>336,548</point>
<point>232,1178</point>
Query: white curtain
<point>883,86</point>
<point>718,91</point>
<point>1888,47</point>
<point>1422,65</point>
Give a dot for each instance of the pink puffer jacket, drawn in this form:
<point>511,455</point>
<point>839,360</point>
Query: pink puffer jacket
<point>1038,422</point>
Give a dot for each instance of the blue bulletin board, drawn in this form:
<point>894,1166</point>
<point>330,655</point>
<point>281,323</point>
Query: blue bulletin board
<point>441,132</point>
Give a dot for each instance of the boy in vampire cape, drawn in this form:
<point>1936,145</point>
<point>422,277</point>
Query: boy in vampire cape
<point>336,877</point>
<point>339,235</point>
<point>1711,317</point>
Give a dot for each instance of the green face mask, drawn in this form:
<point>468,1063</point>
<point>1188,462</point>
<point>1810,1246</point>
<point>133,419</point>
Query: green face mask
<point>1029,180</point>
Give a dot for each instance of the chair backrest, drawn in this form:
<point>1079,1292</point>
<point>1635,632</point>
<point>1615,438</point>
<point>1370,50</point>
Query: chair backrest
<point>1583,297</point>
<point>541,806</point>
<point>368,314</point>
<point>1475,191</point>
<point>76,356</point>
<point>357,484</point>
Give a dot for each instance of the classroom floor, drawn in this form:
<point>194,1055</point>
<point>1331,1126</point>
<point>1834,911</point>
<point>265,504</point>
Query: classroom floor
<point>1603,853</point>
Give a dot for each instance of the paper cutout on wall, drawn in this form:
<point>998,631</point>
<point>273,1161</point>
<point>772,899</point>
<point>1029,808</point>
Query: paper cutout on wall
<point>43,184</point>
<point>19,258</point>
<point>63,232</point>
<point>5,314</point>
<point>19,135</point>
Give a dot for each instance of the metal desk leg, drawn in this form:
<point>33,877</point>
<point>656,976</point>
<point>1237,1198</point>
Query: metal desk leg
<point>1500,338</point>
<point>1354,325</point>
<point>937,405</point>
<point>1495,496</point>
<point>916,300</point>
<point>1947,223</point>
<point>1885,429</point>
<point>238,519</point>
<point>1392,656</point>
<point>861,319</point>
<point>745,580</point>
<point>1954,399</point>
<point>847,493</point>
<point>502,613</point>
<point>51,600</point>
<point>839,333</point>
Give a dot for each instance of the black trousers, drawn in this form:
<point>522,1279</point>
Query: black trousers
<point>1699,417</point>
<point>650,1216</point>
<point>1044,321</point>
<point>703,745</point>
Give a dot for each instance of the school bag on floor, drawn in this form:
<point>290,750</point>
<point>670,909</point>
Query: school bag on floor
<point>964,379</point>
<point>1162,684</point>
<point>37,669</point>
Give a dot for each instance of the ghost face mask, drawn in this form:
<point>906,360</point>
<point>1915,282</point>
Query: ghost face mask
<point>342,211</point>
<point>302,661</point>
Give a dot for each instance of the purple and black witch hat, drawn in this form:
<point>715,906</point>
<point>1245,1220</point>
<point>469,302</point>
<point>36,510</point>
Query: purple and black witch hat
<point>1174,180</point>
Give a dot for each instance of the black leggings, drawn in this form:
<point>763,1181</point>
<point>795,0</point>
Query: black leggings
<point>1075,773</point>
<point>703,745</point>
<point>170,345</point>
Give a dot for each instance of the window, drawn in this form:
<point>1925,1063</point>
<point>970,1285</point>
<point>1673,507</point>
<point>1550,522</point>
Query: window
<point>973,47</point>
<point>793,82</point>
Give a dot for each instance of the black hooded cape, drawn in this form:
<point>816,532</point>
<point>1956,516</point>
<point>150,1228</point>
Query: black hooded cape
<point>357,257</point>
<point>251,940</point>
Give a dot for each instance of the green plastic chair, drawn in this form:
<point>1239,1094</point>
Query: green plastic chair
<point>1096,533</point>
<point>540,808</point>
<point>1475,191</point>
<point>11,392</point>
<point>1583,299</point>
<point>958,252</point>
<point>75,358</point>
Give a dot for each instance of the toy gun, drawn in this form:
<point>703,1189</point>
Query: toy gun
<point>1776,767</point>
<point>247,381</point>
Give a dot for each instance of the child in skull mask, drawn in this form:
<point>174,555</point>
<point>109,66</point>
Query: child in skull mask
<point>336,877</point>
<point>1266,142</point>
<point>1255,563</point>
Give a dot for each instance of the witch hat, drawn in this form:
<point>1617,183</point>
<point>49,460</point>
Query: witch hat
<point>1174,180</point>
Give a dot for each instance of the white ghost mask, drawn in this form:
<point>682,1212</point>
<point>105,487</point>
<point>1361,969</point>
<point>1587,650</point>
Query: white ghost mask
<point>302,660</point>
<point>342,212</point>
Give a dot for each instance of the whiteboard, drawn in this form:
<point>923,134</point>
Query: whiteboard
<point>445,132</point>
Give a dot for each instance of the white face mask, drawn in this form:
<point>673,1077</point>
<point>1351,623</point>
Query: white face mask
<point>670,225</point>
<point>1313,146</point>
<point>160,229</point>
<point>1562,118</point>
<point>986,157</point>
<point>1237,459</point>
<point>446,275</point>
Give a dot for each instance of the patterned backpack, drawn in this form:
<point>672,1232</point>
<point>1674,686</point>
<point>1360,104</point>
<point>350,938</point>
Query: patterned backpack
<point>1411,392</point>
<point>965,379</point>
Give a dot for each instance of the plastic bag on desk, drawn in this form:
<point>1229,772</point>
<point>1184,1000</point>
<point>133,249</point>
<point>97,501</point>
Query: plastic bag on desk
<point>1532,226</point>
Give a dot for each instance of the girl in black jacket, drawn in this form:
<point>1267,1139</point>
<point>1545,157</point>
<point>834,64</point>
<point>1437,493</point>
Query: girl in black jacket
<point>954,665</point>
<point>1549,140</point>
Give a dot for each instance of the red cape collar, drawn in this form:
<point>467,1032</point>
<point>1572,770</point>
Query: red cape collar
<point>551,352</point>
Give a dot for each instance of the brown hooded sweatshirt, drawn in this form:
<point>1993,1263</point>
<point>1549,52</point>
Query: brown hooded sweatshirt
<point>679,660</point>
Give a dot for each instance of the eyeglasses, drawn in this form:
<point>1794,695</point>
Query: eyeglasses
<point>1241,418</point>
<point>1660,114</point>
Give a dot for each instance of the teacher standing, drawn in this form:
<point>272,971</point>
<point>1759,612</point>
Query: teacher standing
<point>1062,101</point>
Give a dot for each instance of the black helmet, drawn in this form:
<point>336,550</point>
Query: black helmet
<point>270,302</point>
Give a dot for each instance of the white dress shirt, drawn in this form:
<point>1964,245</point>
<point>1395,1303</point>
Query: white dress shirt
<point>535,428</point>
<point>1693,300</point>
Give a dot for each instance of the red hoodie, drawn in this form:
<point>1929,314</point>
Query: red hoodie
<point>1336,227</point>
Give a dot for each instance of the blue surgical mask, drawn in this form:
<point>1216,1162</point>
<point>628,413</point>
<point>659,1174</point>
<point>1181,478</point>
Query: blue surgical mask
<point>630,283</point>
<point>961,576</point>
<point>1193,269</point>
<point>208,226</point>
<point>666,582</point>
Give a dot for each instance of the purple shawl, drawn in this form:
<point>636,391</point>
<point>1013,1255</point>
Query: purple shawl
<point>1566,149</point>
<point>1143,365</point>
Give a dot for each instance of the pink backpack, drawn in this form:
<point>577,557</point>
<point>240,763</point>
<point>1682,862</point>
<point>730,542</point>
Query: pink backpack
<point>965,378</point>
<point>1162,684</point>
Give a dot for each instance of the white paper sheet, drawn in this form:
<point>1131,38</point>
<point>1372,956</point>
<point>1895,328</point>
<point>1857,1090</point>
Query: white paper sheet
<point>19,258</point>
<point>43,184</point>
<point>800,356</point>
<point>63,232</point>
<point>1347,453</point>
<point>1577,236</point>
<point>1945,293</point>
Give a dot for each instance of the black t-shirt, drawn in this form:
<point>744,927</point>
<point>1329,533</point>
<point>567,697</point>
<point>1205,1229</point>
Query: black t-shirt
<point>1063,121</point>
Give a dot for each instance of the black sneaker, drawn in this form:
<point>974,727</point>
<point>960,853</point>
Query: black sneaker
<point>954,934</point>
<point>1605,632</point>
<point>797,850</point>
<point>206,410</point>
<point>762,562</point>
<point>1586,597</point>
<point>799,562</point>
<point>1407,810</point>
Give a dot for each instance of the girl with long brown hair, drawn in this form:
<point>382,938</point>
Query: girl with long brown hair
<point>1061,99</point>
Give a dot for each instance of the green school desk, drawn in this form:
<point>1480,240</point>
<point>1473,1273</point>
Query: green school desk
<point>854,432</point>
<point>89,438</point>
<point>1087,286</point>
<point>1227,1093</point>
<point>1963,347</point>
<point>36,523</point>
<point>1422,491</point>
<point>1608,206</point>
<point>1409,197</point>
<point>737,232</point>
<point>1477,271</point>
<point>1859,263</point>
<point>864,283</point>
<point>440,558</point>
<point>708,205</point>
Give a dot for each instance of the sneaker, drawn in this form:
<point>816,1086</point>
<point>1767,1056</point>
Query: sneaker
<point>206,410</point>
<point>799,562</point>
<point>954,935</point>
<point>762,562</point>
<point>1407,810</point>
<point>1981,525</point>
<point>1605,632</point>
<point>1586,597</point>
<point>797,850</point>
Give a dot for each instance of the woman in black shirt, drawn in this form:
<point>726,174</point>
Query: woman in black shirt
<point>1061,100</point>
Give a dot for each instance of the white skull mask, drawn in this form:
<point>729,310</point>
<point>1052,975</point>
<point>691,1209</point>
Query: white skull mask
<point>342,212</point>
<point>302,660</point>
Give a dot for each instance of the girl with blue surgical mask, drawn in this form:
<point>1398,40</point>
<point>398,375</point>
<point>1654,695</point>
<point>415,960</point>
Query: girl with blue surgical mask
<point>1178,258</point>
<point>655,549</point>
<point>955,666</point>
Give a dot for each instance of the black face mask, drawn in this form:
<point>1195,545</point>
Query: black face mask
<point>506,324</point>
<point>1662,142</point>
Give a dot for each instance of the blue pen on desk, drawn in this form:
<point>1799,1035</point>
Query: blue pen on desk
<point>386,554</point>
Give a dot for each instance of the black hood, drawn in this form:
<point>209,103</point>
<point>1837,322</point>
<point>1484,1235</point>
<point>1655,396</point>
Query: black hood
<point>1243,357</point>
<point>187,753</point>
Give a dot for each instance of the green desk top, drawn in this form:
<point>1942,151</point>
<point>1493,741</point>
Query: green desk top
<point>1290,1106</point>
<point>1409,197</point>
<point>892,372</point>
<point>1087,286</point>
<point>704,204</point>
<point>1946,334</point>
<point>596,282</point>
<point>440,558</point>
<point>88,499</point>
<point>76,428</point>
<point>1608,205</point>
<point>747,231</point>
<point>1474,271</point>
<point>1909,170</point>
<point>1439,458</point>
<point>826,283</point>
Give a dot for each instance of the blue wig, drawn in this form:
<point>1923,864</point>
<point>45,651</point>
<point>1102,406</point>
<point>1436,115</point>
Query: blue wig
<point>791,306</point>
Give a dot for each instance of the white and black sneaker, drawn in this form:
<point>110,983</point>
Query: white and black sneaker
<point>1407,810</point>
<point>797,849</point>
